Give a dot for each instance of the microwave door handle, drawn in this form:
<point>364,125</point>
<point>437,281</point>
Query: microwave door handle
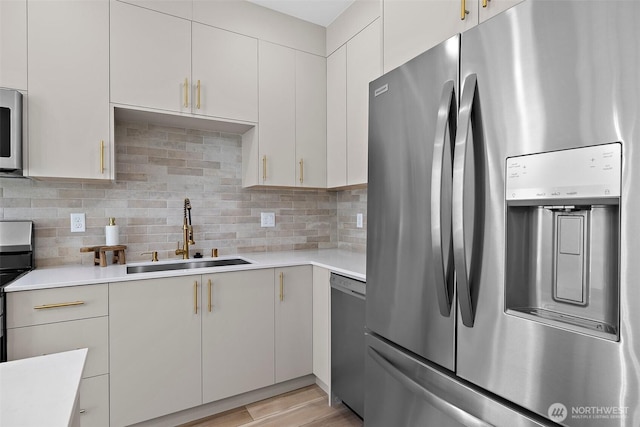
<point>445,127</point>
<point>448,408</point>
<point>470,128</point>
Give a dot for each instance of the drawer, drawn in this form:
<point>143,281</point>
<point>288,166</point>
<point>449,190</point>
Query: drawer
<point>42,306</point>
<point>94,401</point>
<point>63,336</point>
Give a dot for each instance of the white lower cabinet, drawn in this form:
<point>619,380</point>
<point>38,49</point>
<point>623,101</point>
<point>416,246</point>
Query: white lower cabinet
<point>322,325</point>
<point>49,321</point>
<point>237,333</point>
<point>176,343</point>
<point>94,401</point>
<point>293,318</point>
<point>64,336</point>
<point>155,348</point>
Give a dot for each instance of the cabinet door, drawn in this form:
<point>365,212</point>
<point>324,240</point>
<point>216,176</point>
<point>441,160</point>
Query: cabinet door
<point>68,79</point>
<point>237,333</point>
<point>490,8</point>
<point>226,64</point>
<point>294,329</point>
<point>322,326</point>
<point>413,26</point>
<point>154,348</point>
<point>94,401</point>
<point>277,110</point>
<point>150,59</point>
<point>337,118</point>
<point>311,120</point>
<point>50,338</point>
<point>13,44</point>
<point>364,64</point>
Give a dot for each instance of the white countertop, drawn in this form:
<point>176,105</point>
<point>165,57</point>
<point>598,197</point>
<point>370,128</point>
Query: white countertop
<point>344,262</point>
<point>41,391</point>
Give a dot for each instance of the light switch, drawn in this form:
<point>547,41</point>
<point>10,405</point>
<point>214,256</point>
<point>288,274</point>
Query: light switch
<point>359,221</point>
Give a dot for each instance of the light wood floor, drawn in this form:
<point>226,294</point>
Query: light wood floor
<point>304,407</point>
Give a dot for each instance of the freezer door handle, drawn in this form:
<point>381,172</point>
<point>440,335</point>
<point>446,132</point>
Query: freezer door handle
<point>433,399</point>
<point>469,137</point>
<point>441,197</point>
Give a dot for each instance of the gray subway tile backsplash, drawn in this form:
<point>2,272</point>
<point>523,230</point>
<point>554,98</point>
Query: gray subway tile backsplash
<point>156,168</point>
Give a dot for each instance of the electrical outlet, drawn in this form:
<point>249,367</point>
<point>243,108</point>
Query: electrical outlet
<point>359,221</point>
<point>267,219</point>
<point>77,223</point>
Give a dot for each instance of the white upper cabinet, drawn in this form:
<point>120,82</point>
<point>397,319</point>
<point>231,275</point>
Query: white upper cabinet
<point>68,81</point>
<point>277,109</point>
<point>290,150</point>
<point>311,120</point>
<point>351,66</point>
<point>413,26</point>
<point>167,63</point>
<point>13,44</point>
<point>490,8</point>
<point>225,74</point>
<point>364,64</point>
<point>150,59</point>
<point>179,8</point>
<point>337,118</point>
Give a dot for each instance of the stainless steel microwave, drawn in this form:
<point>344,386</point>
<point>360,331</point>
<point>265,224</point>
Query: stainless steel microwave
<point>10,132</point>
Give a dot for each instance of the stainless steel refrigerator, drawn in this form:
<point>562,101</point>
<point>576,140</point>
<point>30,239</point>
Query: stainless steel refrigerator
<point>503,249</point>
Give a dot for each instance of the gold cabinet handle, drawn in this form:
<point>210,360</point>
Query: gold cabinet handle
<point>195,297</point>
<point>60,304</point>
<point>301,171</point>
<point>210,285</point>
<point>186,92</point>
<point>102,157</point>
<point>281,286</point>
<point>485,3</point>
<point>463,9</point>
<point>264,168</point>
<point>198,94</point>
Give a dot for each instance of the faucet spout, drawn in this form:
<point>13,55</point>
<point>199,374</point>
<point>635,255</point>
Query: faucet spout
<point>187,231</point>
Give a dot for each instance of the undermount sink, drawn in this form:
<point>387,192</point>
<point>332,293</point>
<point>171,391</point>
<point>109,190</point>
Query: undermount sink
<point>148,268</point>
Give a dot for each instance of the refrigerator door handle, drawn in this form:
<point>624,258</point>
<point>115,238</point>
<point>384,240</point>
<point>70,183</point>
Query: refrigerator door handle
<point>433,399</point>
<point>464,275</point>
<point>442,267</point>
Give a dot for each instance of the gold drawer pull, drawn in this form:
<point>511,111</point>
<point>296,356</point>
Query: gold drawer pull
<point>281,286</point>
<point>195,297</point>
<point>264,168</point>
<point>61,304</point>
<point>186,92</point>
<point>101,157</point>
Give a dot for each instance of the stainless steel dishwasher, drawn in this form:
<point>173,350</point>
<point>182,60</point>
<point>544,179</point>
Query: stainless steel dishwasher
<point>347,341</point>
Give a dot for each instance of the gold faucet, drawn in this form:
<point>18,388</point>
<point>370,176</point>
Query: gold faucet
<point>187,232</point>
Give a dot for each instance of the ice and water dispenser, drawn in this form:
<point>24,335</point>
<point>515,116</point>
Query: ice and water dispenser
<point>563,238</point>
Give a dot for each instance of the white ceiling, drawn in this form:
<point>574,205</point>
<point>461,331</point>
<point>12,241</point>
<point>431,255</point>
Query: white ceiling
<point>321,12</point>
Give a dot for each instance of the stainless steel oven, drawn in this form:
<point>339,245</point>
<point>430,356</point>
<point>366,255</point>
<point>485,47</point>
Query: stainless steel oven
<point>16,259</point>
<point>10,132</point>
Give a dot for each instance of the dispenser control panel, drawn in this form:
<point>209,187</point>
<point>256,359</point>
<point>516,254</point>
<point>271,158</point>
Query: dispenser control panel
<point>576,173</point>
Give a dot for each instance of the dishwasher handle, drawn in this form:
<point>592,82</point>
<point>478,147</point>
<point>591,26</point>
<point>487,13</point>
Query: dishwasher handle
<point>349,286</point>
